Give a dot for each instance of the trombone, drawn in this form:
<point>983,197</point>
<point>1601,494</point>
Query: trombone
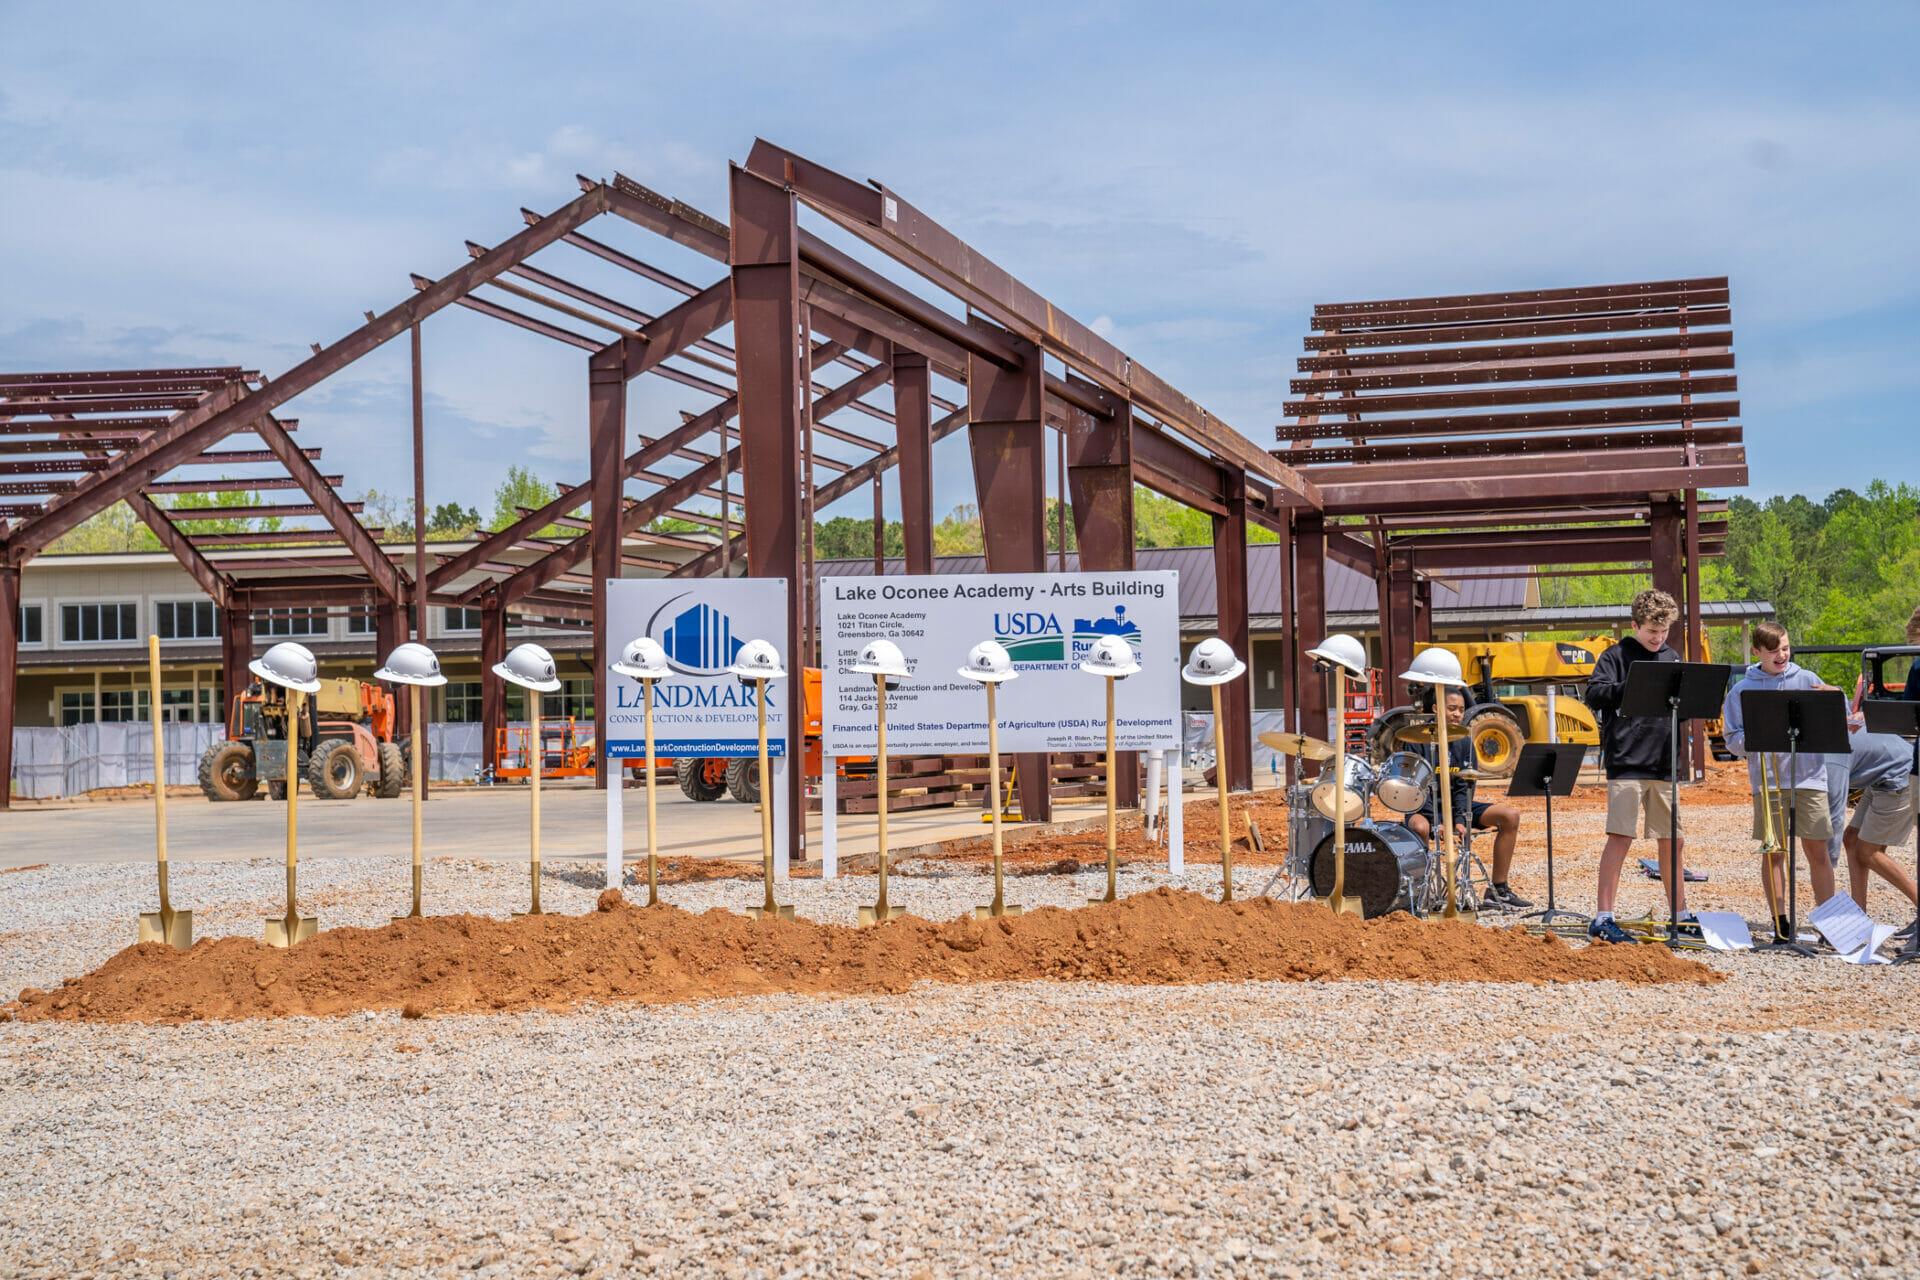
<point>1773,826</point>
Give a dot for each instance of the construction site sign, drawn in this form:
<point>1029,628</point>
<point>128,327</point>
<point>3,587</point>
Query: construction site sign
<point>702,709</point>
<point>1048,623</point>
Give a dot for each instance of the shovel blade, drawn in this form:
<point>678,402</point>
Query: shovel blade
<point>304,927</point>
<point>780,912</point>
<point>870,915</point>
<point>986,912</point>
<point>1348,906</point>
<point>180,937</point>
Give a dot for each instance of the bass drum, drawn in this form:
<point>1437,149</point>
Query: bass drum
<point>1386,868</point>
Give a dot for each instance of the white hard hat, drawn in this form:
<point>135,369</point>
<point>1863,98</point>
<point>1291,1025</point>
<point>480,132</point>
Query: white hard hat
<point>1344,651</point>
<point>644,659</point>
<point>411,663</point>
<point>882,658</point>
<point>988,663</point>
<point>289,665</point>
<point>757,660</point>
<point>1212,662</point>
<point>530,667</point>
<point>1434,666</point>
<point>1110,656</point>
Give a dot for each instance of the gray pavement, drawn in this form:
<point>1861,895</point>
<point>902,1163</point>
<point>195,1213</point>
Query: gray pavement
<point>464,822</point>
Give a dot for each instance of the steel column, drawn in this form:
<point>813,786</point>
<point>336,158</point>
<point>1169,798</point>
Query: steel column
<point>913,428</point>
<point>493,690</point>
<point>606,439</point>
<point>1423,611</point>
<point>1007,439</point>
<point>1695,638</point>
<point>1230,595</point>
<point>388,631</point>
<point>1399,627</point>
<point>9,670</point>
<point>1310,619</point>
<point>236,651</point>
<point>1098,473</point>
<point>765,263</point>
<point>1669,575</point>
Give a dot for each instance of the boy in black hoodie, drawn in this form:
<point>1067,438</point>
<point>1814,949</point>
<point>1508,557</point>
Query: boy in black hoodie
<point>1637,752</point>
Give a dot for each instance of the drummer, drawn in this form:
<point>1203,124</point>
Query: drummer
<point>1501,819</point>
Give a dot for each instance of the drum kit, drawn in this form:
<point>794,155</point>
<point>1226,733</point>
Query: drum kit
<point>1390,866</point>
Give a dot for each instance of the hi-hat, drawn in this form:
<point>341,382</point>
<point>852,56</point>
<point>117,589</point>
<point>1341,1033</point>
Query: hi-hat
<point>1298,744</point>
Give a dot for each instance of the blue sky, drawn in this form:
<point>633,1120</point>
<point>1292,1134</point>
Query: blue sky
<point>225,184</point>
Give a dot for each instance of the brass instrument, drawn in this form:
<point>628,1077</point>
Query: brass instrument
<point>1773,825</point>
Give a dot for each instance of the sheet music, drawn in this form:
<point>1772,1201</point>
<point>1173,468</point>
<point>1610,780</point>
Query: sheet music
<point>1725,931</point>
<point>1842,923</point>
<point>1868,954</point>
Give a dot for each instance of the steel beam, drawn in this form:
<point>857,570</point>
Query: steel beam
<point>210,579</point>
<point>1695,638</point>
<point>1230,609</point>
<point>1310,619</point>
<point>913,427</point>
<point>879,216</point>
<point>493,690</point>
<point>236,651</point>
<point>607,375</point>
<point>765,270</point>
<point>1098,458</point>
<point>1399,629</point>
<point>1007,440</point>
<point>9,668</point>
<point>206,424</point>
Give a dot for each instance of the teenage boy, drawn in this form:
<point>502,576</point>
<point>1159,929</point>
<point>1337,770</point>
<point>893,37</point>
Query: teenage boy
<point>1501,819</point>
<point>1806,790</point>
<point>1637,752</point>
<point>1881,769</point>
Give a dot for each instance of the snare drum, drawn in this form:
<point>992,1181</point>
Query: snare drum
<point>1357,786</point>
<point>1405,783</point>
<point>1386,868</point>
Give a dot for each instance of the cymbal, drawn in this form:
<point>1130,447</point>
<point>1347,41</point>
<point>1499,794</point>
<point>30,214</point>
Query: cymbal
<point>1298,744</point>
<point>1473,775</point>
<point>1416,733</point>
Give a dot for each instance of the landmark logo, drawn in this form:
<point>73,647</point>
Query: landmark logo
<point>698,638</point>
<point>1031,636</point>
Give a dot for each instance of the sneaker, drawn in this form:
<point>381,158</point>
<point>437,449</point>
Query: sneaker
<point>1904,935</point>
<point>1782,930</point>
<point>1501,897</point>
<point>1608,931</point>
<point>1689,930</point>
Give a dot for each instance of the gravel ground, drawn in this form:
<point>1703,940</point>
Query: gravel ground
<point>1764,1126</point>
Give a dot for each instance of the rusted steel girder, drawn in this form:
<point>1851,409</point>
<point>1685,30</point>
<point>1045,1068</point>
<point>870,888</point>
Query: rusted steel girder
<point>493,690</point>
<point>1099,466</point>
<point>765,270</point>
<point>1400,629</point>
<point>381,571</point>
<point>1007,439</point>
<point>879,216</point>
<point>236,651</point>
<point>606,441</point>
<point>1309,621</point>
<point>913,425</point>
<point>1230,595</point>
<point>206,424</point>
<point>9,667</point>
<point>216,584</point>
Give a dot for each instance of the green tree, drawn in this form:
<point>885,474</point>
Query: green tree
<point>959,533</point>
<point>522,488</point>
<point>451,520</point>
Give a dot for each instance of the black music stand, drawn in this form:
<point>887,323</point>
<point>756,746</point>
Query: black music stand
<point>1794,720</point>
<point>1550,769</point>
<point>1902,719</point>
<point>1679,691</point>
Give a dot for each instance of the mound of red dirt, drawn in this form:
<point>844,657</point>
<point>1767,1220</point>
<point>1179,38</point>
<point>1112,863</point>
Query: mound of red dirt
<point>453,964</point>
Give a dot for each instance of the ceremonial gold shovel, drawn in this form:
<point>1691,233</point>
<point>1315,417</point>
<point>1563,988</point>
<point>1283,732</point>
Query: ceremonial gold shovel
<point>1113,850</point>
<point>1226,818</point>
<point>419,784</point>
<point>536,760</point>
<point>880,912</point>
<point>1337,900</point>
<point>998,907</point>
<point>292,927</point>
<point>653,842</point>
<point>779,910</point>
<point>175,928</point>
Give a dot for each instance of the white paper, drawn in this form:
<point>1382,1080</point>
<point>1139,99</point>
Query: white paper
<point>1867,954</point>
<point>616,836</point>
<point>1842,923</point>
<point>1725,931</point>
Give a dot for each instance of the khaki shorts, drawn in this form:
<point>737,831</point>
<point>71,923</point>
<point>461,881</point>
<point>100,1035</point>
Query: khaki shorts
<point>1639,807</point>
<point>1884,818</point>
<point>1815,822</point>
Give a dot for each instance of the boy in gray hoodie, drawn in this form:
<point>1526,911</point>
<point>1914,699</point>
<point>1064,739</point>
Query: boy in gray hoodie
<point>1776,669</point>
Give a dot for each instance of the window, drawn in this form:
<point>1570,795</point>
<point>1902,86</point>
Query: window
<point>360,622</point>
<point>76,708</point>
<point>98,623</point>
<point>463,702</point>
<point>121,704</point>
<point>573,698</point>
<point>31,631</point>
<point>186,620</point>
<point>297,621</point>
<point>180,706</point>
<point>462,620</point>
